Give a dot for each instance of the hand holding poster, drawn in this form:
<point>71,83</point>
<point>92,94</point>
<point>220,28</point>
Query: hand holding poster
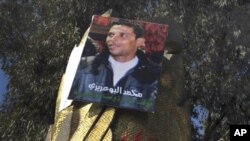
<point>120,64</point>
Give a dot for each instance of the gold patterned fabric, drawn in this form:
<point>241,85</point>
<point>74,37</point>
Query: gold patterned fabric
<point>82,122</point>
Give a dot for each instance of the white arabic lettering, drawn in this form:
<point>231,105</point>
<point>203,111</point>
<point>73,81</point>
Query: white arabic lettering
<point>116,90</point>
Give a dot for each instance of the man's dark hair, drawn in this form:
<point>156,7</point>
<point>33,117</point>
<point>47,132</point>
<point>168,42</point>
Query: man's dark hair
<point>138,30</point>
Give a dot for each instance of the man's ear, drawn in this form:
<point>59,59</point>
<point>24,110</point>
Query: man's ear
<point>140,43</point>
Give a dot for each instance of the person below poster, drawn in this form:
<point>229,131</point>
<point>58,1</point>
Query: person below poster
<point>120,64</point>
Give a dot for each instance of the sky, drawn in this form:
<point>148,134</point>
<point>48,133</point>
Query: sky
<point>200,119</point>
<point>3,84</point>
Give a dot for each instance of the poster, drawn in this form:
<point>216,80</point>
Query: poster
<point>120,64</point>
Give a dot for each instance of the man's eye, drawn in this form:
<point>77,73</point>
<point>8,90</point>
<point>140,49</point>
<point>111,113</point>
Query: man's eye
<point>110,34</point>
<point>123,35</point>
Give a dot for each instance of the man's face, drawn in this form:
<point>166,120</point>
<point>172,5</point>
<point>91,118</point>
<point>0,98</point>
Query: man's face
<point>121,41</point>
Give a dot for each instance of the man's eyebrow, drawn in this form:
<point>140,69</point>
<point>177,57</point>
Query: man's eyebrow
<point>124,32</point>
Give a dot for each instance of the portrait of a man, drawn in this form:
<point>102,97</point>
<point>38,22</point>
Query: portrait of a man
<point>119,73</point>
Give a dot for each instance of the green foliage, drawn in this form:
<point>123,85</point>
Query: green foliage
<point>35,49</point>
<point>219,70</point>
<point>36,38</point>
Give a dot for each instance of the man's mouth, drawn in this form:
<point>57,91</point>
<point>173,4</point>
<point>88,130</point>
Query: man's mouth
<point>111,46</point>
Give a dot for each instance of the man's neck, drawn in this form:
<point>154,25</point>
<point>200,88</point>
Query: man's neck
<point>123,59</point>
<point>121,68</point>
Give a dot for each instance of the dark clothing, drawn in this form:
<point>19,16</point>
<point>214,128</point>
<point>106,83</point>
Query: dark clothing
<point>136,90</point>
